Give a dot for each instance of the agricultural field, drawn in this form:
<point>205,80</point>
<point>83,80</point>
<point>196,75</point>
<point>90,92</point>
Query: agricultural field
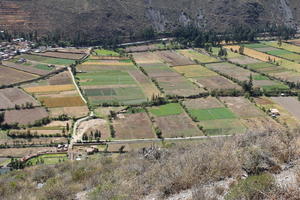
<point>133,126</point>
<point>22,152</point>
<point>199,55</point>
<point>241,74</point>
<point>59,95</point>
<point>251,117</point>
<point>33,68</point>
<point>214,117</point>
<point>171,82</point>
<point>272,69</point>
<point>172,121</point>
<point>206,78</point>
<point>25,116</point>
<point>46,60</point>
<point>254,53</point>
<point>47,159</point>
<point>10,97</point>
<point>115,82</point>
<point>63,55</point>
<point>90,127</point>
<point>291,104</point>
<point>295,42</point>
<point>10,76</point>
<point>284,45</point>
<point>274,51</point>
<point>173,58</point>
<point>286,110</point>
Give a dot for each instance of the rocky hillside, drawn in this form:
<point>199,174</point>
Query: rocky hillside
<point>103,17</point>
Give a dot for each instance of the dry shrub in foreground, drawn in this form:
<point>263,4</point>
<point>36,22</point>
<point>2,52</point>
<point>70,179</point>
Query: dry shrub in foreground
<point>164,171</point>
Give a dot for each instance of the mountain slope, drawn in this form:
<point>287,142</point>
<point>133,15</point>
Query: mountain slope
<point>104,17</point>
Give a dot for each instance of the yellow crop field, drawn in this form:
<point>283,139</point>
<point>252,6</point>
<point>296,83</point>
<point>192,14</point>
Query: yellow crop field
<point>254,54</point>
<point>49,88</point>
<point>191,71</point>
<point>62,101</point>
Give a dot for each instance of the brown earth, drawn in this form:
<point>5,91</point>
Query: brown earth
<point>72,56</point>
<point>9,76</point>
<point>13,96</point>
<point>177,126</point>
<point>24,117</point>
<point>242,107</point>
<point>218,82</point>
<point>133,126</point>
<point>173,58</point>
<point>203,103</point>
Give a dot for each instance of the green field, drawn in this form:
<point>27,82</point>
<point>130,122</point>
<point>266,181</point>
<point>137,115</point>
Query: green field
<point>166,110</point>
<point>106,78</point>
<point>223,127</point>
<point>286,46</point>
<point>42,67</point>
<point>48,60</point>
<point>256,45</point>
<point>278,52</point>
<point>271,88</point>
<point>105,52</point>
<point>259,77</point>
<point>212,114</point>
<point>257,66</point>
<point>48,159</point>
<point>122,95</point>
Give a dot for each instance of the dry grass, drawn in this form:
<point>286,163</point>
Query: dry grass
<point>62,101</point>
<point>50,88</point>
<point>164,171</point>
<point>254,54</point>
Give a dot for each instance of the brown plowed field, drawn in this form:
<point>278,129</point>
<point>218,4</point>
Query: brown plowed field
<point>9,76</point>
<point>72,56</point>
<point>23,117</point>
<point>133,126</point>
<point>173,58</point>
<point>181,125</point>
<point>10,97</point>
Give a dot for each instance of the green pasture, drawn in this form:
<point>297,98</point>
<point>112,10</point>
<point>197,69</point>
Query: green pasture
<point>48,159</point>
<point>256,45</point>
<point>105,52</point>
<point>223,127</point>
<point>166,110</point>
<point>212,114</point>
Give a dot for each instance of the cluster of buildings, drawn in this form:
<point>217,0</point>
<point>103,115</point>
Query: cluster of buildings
<point>10,49</point>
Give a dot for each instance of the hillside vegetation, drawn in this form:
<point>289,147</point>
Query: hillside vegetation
<point>91,18</point>
<point>242,167</point>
